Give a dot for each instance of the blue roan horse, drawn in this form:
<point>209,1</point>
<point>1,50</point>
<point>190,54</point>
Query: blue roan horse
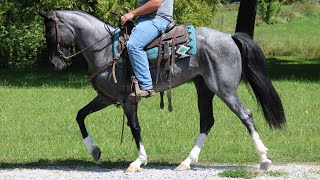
<point>216,69</point>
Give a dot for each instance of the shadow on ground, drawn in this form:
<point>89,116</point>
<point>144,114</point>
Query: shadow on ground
<point>72,77</point>
<point>68,163</point>
<point>301,69</point>
<point>296,70</point>
<point>104,166</point>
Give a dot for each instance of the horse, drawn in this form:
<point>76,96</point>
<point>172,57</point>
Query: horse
<point>216,70</point>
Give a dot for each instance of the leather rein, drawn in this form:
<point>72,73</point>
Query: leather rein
<point>61,54</point>
<point>99,70</point>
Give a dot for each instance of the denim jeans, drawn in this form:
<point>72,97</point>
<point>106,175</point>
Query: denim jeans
<point>146,30</point>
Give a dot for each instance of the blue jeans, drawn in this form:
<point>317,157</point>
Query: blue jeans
<point>146,30</point>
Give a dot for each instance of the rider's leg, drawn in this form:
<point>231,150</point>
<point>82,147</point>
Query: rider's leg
<point>146,30</point>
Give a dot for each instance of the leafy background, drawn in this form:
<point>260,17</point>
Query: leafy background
<point>22,30</point>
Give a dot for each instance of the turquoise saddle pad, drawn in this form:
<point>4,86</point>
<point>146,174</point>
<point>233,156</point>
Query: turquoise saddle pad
<point>182,50</point>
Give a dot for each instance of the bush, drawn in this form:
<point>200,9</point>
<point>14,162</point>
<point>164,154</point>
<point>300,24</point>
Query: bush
<point>22,31</point>
<point>21,43</point>
<point>268,10</point>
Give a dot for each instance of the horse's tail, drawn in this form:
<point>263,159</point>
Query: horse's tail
<point>254,70</point>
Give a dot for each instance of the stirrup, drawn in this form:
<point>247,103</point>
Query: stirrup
<point>143,94</point>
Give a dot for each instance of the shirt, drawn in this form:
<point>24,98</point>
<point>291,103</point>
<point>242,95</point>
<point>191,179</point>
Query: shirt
<point>164,11</point>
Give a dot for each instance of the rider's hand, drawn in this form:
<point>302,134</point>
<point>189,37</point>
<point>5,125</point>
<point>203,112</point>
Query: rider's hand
<point>126,17</point>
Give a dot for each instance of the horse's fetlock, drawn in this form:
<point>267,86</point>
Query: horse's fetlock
<point>143,159</point>
<point>88,141</point>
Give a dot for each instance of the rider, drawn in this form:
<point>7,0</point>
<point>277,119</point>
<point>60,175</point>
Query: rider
<point>154,17</point>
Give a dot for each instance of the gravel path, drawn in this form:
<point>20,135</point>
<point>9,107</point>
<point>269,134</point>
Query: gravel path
<point>292,171</point>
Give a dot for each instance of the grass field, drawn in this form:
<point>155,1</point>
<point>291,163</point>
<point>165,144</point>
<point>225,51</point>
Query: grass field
<point>38,126</point>
<point>297,34</point>
<point>39,106</point>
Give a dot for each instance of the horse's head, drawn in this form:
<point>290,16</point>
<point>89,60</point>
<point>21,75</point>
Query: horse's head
<point>59,39</point>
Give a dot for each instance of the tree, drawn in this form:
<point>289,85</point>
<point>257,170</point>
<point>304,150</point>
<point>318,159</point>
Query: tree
<point>246,16</point>
<point>268,9</point>
<point>22,30</point>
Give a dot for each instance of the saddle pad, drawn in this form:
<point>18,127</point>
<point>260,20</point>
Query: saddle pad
<point>116,35</point>
<point>182,51</point>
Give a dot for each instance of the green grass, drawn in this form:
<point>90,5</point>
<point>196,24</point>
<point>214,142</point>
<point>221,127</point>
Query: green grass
<point>300,37</point>
<point>239,173</point>
<point>276,173</point>
<point>38,127</point>
<point>249,174</point>
<point>296,35</point>
<point>38,110</point>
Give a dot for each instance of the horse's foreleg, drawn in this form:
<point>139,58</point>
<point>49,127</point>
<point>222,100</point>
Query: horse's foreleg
<point>245,116</point>
<point>205,97</point>
<point>96,104</point>
<point>194,154</point>
<point>130,110</point>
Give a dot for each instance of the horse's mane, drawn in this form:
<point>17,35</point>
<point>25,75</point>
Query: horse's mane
<point>84,13</point>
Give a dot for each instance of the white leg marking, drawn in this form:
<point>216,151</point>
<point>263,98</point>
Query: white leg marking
<point>261,149</point>
<point>194,154</point>
<point>142,159</point>
<point>88,141</point>
<point>265,163</point>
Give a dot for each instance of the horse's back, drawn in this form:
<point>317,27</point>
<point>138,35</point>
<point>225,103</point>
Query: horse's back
<point>215,41</point>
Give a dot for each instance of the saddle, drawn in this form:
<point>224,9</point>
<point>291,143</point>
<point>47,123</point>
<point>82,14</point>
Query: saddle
<point>163,49</point>
<point>163,45</point>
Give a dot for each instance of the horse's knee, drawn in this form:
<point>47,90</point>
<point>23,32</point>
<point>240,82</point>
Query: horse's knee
<point>80,116</point>
<point>136,131</point>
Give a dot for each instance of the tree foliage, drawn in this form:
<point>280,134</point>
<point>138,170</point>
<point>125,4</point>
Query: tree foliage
<point>269,9</point>
<point>22,30</point>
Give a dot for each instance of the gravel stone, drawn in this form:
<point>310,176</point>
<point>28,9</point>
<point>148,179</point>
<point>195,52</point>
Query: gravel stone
<point>292,171</point>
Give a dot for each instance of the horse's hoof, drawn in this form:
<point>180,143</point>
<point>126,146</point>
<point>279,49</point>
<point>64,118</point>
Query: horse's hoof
<point>96,153</point>
<point>133,169</point>
<point>183,167</point>
<point>265,165</point>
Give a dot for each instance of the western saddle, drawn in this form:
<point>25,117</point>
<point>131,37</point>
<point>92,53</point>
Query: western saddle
<point>166,43</point>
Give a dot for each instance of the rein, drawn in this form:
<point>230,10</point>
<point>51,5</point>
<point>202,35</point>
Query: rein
<point>61,54</point>
<point>100,69</point>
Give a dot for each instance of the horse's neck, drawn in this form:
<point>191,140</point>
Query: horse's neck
<point>88,31</point>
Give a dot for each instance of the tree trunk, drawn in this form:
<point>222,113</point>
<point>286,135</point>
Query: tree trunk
<point>247,16</point>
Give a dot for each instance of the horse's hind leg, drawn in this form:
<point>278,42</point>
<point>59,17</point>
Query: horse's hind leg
<point>205,107</point>
<point>96,104</point>
<point>245,115</point>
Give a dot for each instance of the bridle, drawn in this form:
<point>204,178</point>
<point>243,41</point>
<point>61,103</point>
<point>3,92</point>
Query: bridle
<point>100,69</point>
<point>61,54</point>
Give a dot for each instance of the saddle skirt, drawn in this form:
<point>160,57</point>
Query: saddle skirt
<point>185,45</point>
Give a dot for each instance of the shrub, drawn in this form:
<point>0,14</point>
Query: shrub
<point>22,31</point>
<point>268,10</point>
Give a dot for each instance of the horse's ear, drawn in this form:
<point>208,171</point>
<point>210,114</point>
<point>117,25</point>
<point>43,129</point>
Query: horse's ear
<point>45,15</point>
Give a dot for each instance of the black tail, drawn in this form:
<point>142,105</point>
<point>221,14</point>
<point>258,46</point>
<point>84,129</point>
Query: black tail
<point>254,70</point>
